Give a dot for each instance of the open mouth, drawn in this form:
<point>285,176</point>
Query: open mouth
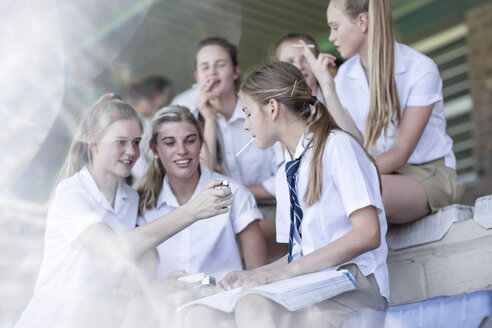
<point>127,162</point>
<point>183,162</point>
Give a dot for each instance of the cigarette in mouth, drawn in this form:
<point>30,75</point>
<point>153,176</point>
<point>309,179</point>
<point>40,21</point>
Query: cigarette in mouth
<point>245,146</point>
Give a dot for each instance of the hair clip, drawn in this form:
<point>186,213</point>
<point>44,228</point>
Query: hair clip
<point>115,96</point>
<point>313,100</point>
<point>293,88</point>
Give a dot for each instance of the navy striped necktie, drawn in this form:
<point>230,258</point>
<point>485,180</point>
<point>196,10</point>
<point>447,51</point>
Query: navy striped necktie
<point>295,209</point>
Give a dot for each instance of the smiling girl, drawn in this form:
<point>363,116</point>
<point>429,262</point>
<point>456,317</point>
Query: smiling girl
<point>173,180</point>
<point>91,240</point>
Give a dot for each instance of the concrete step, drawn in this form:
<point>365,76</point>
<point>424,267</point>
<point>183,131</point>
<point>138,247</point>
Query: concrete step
<point>472,310</point>
<point>458,262</point>
<point>428,229</point>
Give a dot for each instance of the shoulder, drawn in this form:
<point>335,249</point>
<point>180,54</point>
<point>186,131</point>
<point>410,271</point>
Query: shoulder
<point>186,98</point>
<point>71,196</point>
<point>339,140</point>
<point>71,187</point>
<point>413,59</point>
<point>341,150</point>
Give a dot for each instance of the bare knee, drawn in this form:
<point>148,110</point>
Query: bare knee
<point>255,311</point>
<point>204,316</point>
<point>404,198</point>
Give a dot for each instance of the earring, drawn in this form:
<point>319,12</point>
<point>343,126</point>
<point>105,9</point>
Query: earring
<point>156,156</point>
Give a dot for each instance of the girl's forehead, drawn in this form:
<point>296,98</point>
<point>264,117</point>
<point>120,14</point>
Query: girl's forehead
<point>212,52</point>
<point>123,126</point>
<point>177,128</point>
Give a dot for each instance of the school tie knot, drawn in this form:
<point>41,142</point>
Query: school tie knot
<point>291,169</point>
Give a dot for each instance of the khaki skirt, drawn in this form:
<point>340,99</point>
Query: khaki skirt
<point>440,182</point>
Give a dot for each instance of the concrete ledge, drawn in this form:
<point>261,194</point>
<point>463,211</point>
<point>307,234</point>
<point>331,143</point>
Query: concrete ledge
<point>483,211</point>
<point>468,310</point>
<point>459,263</point>
<point>428,229</point>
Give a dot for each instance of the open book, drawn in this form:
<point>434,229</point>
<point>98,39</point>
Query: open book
<point>293,293</point>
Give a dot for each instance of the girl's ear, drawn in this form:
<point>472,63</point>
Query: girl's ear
<point>154,149</point>
<point>237,72</point>
<point>273,109</point>
<point>91,141</point>
<point>363,20</point>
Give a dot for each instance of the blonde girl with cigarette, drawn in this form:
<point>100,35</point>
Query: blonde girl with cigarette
<point>338,219</point>
<point>390,96</point>
<point>175,179</point>
<point>91,240</point>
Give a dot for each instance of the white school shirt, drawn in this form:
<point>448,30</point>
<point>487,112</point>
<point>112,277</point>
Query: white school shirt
<point>253,165</point>
<point>69,270</point>
<point>207,245</point>
<point>419,84</point>
<point>350,182</point>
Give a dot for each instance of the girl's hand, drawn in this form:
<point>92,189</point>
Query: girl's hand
<point>263,277</point>
<point>319,66</point>
<point>211,201</point>
<point>207,102</point>
<point>234,279</point>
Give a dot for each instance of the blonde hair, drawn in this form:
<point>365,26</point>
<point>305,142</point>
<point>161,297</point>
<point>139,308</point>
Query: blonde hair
<point>384,103</point>
<point>149,187</point>
<point>107,110</point>
<point>285,83</point>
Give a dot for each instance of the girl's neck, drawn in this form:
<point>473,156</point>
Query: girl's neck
<point>364,59</point>
<point>291,134</point>
<point>183,188</point>
<point>228,104</point>
<point>106,183</point>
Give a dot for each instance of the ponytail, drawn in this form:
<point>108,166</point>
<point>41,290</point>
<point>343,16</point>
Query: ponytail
<point>384,103</point>
<point>320,124</point>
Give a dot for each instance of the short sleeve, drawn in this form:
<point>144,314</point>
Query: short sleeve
<point>243,210</point>
<point>353,174</point>
<point>72,212</point>
<point>426,88</point>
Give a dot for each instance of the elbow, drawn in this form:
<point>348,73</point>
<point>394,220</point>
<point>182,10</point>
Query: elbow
<point>373,239</point>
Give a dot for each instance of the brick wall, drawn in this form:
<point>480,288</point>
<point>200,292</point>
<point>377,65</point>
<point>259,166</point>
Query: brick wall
<point>479,22</point>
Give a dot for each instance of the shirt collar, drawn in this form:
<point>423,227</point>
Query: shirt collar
<point>91,186</point>
<point>167,197</point>
<point>304,143</point>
